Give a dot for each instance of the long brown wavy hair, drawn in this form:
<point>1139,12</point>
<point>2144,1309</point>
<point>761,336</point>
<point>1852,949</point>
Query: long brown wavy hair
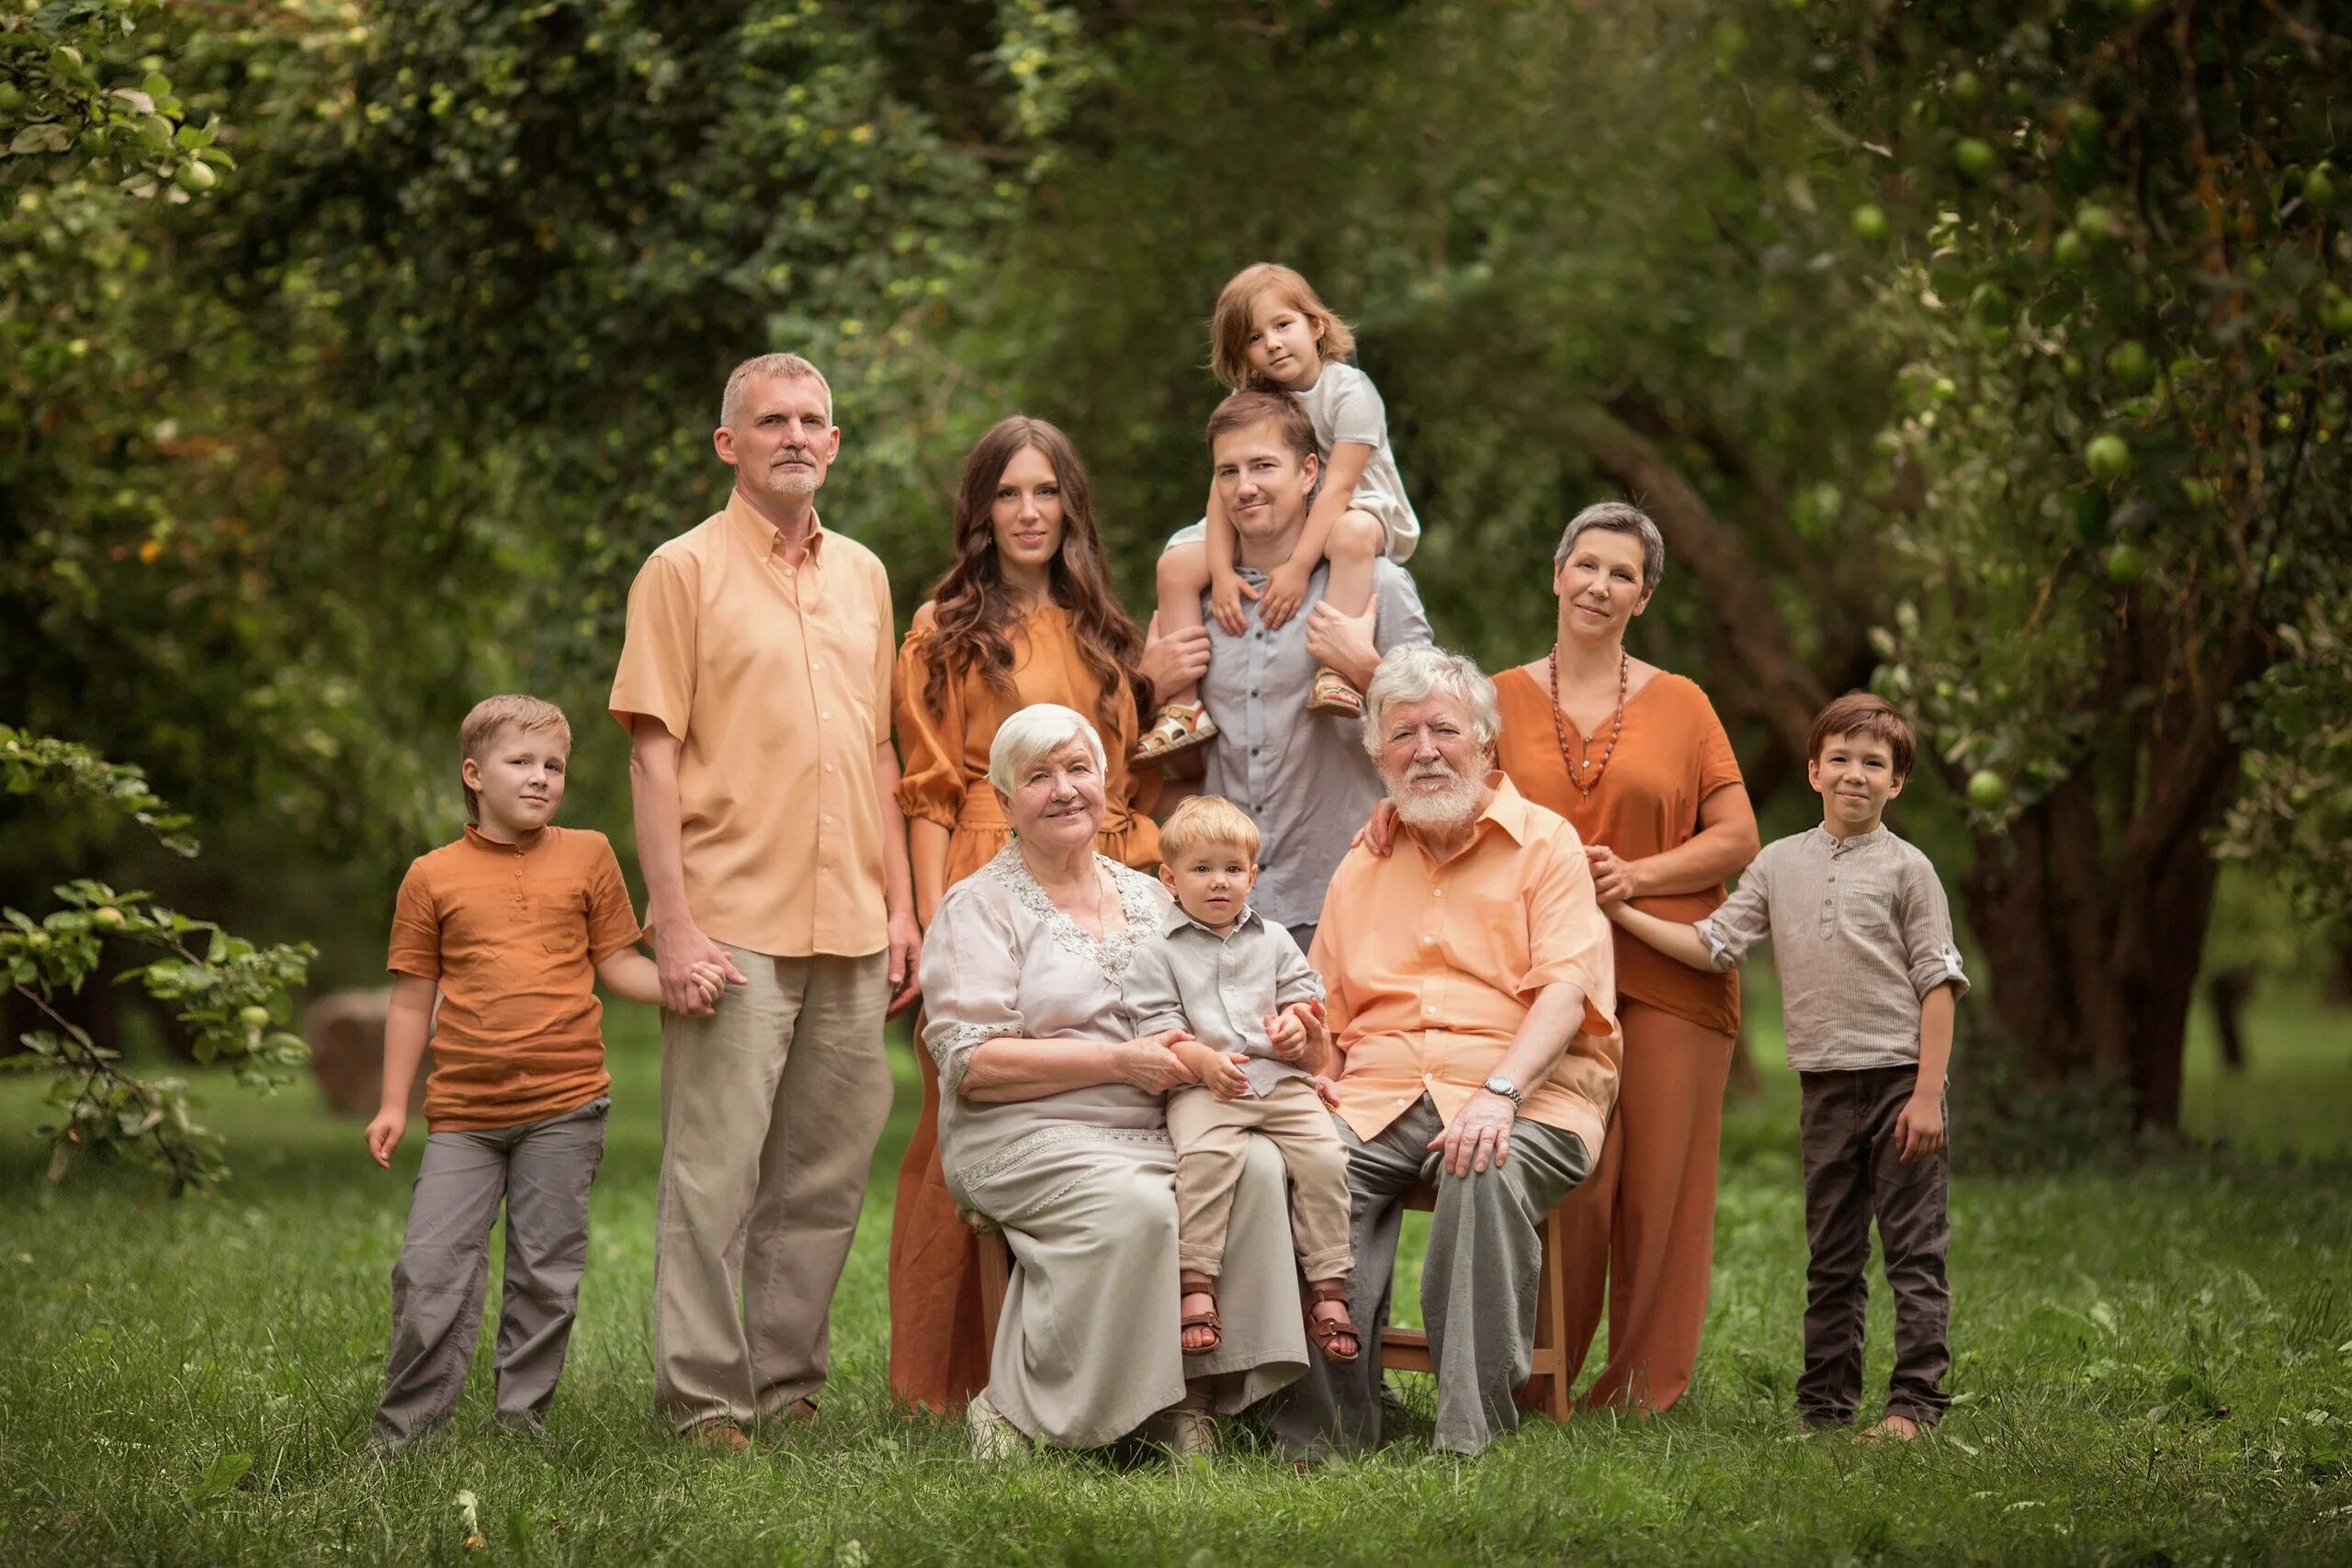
<point>972,608</point>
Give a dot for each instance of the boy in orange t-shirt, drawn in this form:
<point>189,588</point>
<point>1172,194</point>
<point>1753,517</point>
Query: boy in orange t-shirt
<point>509,927</point>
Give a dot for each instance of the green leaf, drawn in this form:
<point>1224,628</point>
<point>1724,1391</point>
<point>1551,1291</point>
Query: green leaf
<point>50,137</point>
<point>219,1478</point>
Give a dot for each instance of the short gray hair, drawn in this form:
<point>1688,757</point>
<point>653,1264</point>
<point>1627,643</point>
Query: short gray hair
<point>784,368</point>
<point>1039,729</point>
<point>1618,517</point>
<point>1415,670</point>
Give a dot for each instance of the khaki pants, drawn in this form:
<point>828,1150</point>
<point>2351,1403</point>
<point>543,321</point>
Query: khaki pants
<point>1212,1139</point>
<point>541,1172</point>
<point>769,1111</point>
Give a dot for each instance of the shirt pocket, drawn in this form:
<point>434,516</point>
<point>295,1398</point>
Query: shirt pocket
<point>563,925</point>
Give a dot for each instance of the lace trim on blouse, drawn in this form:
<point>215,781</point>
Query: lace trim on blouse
<point>952,1052</point>
<point>1110,954</point>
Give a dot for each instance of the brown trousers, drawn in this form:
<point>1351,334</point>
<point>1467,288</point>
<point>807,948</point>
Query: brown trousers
<point>1852,1175</point>
<point>1644,1221</point>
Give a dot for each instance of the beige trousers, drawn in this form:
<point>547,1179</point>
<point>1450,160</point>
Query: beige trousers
<point>769,1111</point>
<point>1212,1139</point>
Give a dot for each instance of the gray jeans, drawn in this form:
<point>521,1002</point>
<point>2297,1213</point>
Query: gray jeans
<point>542,1171</point>
<point>1478,1284</point>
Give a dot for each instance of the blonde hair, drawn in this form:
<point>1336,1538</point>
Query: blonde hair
<point>1229,325</point>
<point>784,368</point>
<point>1031,733</point>
<point>475,735</point>
<point>1206,819</point>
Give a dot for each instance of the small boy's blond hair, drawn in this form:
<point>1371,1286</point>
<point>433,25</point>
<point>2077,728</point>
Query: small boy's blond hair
<point>475,736</point>
<point>1229,327</point>
<point>1206,819</point>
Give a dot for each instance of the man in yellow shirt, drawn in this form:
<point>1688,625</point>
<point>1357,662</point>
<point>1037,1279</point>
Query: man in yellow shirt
<point>1472,998</point>
<point>755,685</point>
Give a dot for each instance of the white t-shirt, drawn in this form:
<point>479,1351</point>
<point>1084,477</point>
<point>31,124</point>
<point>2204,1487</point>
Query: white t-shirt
<point>1345,406</point>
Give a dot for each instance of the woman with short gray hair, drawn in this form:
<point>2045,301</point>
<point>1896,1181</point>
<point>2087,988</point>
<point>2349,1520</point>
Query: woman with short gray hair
<point>1634,758</point>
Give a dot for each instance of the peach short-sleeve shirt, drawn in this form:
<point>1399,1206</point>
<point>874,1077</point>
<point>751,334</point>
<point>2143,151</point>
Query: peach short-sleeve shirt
<point>1432,968</point>
<point>776,678</point>
<point>510,934</point>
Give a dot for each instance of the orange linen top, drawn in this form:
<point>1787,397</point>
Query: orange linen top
<point>945,756</point>
<point>1431,969</point>
<point>512,935</point>
<point>1672,755</point>
<point>777,680</point>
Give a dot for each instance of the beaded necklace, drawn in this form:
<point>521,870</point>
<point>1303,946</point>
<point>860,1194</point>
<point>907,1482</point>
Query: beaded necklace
<point>1577,763</point>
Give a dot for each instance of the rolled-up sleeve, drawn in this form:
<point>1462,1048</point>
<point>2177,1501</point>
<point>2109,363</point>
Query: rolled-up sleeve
<point>1149,993</point>
<point>1568,938</point>
<point>971,979</point>
<point>1927,933</point>
<point>1742,919</point>
<point>656,669</point>
<point>931,745</point>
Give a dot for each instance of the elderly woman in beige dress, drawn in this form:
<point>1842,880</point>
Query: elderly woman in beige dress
<point>1051,1124</point>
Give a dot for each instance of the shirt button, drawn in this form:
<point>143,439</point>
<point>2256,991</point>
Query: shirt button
<point>1432,1012</point>
<point>1437,892</point>
<point>828,767</point>
<point>829,715</point>
<point>816,664</point>
<point>1428,941</point>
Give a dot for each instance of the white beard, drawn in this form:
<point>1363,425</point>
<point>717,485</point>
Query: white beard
<point>1449,809</point>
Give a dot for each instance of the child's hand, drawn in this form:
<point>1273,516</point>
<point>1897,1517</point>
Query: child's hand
<point>384,1134</point>
<point>1286,592</point>
<point>710,983</point>
<point>1286,1033</point>
<point>1221,1073</point>
<point>1329,1090</point>
<point>1919,1131</point>
<point>1227,588</point>
<point>1379,833</point>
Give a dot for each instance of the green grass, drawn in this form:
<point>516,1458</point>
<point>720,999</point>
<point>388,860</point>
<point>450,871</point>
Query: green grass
<point>2154,1364</point>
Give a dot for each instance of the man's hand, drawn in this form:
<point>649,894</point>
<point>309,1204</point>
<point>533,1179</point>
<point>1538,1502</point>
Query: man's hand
<point>1173,661</point>
<point>1344,642</point>
<point>384,1133</point>
<point>1217,1071</point>
<point>906,962</point>
<point>1614,878</point>
<point>679,947</point>
<point>1227,588</point>
<point>1286,592</point>
<point>1378,835</point>
<point>1480,1135</point>
<point>1298,1033</point>
<point>1919,1131</point>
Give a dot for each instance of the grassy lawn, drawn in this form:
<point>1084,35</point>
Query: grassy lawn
<point>2154,1364</point>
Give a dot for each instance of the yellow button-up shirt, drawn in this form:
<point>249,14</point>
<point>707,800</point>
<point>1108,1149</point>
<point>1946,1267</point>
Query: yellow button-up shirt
<point>776,678</point>
<point>1432,967</point>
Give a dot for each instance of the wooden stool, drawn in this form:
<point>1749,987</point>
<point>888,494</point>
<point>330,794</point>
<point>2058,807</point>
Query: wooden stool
<point>1407,1349</point>
<point>996,1269</point>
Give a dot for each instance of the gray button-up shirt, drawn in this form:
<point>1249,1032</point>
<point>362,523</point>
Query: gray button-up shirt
<point>1860,934</point>
<point>1303,777</point>
<point>1221,990</point>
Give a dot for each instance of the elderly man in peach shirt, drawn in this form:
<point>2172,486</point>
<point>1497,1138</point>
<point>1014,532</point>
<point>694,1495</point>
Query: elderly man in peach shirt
<point>1473,993</point>
<point>755,685</point>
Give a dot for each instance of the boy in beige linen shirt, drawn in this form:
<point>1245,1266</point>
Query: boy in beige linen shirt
<point>755,685</point>
<point>1861,936</point>
<point>1238,984</point>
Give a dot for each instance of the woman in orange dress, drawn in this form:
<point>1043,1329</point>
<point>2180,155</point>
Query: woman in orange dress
<point>1634,758</point>
<point>1025,616</point>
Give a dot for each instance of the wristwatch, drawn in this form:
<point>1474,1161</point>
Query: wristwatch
<point>1508,1090</point>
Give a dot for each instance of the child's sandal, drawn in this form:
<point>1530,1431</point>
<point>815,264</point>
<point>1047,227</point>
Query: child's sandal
<point>1326,1332</point>
<point>1178,726</point>
<point>1207,1319</point>
<point>1332,693</point>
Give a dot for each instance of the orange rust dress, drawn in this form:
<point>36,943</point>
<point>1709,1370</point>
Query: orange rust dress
<point>1644,1221</point>
<point>938,1356</point>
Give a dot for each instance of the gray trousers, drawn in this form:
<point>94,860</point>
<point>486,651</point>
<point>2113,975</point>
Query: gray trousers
<point>1478,1284</point>
<point>1852,1175</point>
<point>541,1172</point>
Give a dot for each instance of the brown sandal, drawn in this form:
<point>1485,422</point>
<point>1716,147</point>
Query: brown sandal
<point>1326,1332</point>
<point>1208,1320</point>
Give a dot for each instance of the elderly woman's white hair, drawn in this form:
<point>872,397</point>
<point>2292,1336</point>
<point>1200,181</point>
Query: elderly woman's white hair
<point>1032,732</point>
<point>1415,670</point>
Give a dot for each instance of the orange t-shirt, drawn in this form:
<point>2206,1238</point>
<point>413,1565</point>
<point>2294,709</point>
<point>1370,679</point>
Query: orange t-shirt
<point>512,934</point>
<point>1672,755</point>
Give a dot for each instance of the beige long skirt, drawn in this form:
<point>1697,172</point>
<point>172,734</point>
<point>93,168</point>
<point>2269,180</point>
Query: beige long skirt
<point>1087,1347</point>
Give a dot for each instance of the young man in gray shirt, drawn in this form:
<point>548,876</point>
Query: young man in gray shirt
<point>1861,936</point>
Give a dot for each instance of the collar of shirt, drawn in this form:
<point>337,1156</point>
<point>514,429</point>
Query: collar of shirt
<point>1177,920</point>
<point>760,535</point>
<point>1506,808</point>
<point>522,846</point>
<point>1837,846</point>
